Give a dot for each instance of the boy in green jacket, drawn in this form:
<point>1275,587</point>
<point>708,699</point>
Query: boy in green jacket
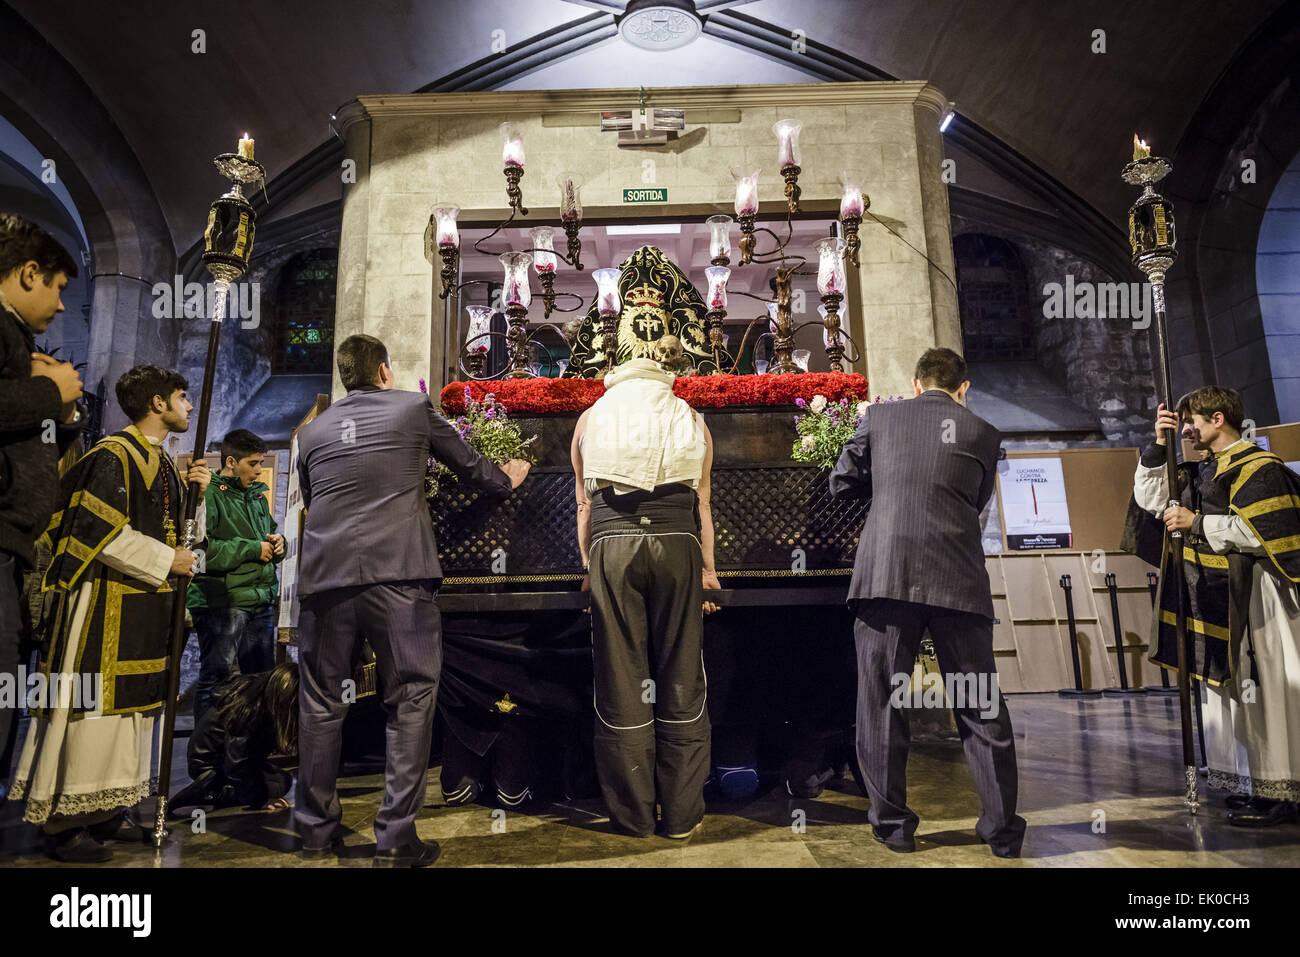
<point>233,599</point>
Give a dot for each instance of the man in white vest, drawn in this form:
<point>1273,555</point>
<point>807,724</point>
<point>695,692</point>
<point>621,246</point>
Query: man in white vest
<point>641,460</point>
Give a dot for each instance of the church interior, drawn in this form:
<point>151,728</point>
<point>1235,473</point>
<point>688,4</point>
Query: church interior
<point>996,152</point>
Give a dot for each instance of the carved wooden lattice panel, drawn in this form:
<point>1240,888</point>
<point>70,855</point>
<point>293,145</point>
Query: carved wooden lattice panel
<point>760,517</point>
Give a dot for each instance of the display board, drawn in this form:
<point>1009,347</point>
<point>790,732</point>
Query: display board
<point>1098,484</point>
<point>294,514</point>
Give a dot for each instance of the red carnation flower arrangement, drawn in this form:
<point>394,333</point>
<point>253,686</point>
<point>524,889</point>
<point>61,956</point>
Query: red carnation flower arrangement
<point>533,396</point>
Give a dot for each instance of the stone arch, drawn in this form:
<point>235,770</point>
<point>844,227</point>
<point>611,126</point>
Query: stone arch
<point>48,103</point>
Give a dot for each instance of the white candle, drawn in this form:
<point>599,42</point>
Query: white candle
<point>245,147</point>
<point>747,194</point>
<point>512,153</point>
<point>851,202</point>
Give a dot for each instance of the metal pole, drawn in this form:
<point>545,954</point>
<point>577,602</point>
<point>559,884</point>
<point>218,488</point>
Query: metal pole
<point>1078,691</point>
<point>1175,549</point>
<point>179,632</point>
<point>1123,688</point>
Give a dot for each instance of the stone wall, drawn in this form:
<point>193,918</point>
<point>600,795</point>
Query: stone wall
<point>1104,364</point>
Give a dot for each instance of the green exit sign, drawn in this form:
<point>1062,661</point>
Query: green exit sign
<point>646,194</point>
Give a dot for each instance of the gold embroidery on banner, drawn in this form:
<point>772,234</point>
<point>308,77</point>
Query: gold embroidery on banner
<point>112,665</point>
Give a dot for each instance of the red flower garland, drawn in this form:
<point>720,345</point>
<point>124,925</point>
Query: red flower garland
<point>524,396</point>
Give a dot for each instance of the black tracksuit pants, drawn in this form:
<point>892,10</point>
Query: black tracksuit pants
<point>652,723</point>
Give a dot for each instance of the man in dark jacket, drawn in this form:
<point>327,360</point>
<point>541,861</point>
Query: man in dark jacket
<point>38,421</point>
<point>369,569</point>
<point>929,467</point>
<point>233,598</point>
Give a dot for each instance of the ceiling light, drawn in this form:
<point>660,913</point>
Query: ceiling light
<point>660,24</point>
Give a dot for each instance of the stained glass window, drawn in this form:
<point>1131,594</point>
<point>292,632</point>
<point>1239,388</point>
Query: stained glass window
<point>304,332</point>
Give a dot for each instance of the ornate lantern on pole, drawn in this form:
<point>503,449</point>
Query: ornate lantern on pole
<point>1152,241</point>
<point>227,249</point>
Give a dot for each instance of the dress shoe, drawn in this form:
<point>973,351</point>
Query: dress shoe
<point>310,853</point>
<point>1256,815</point>
<point>76,846</point>
<point>903,847</point>
<point>415,854</point>
<point>106,831</point>
<point>683,835</point>
<point>1235,802</point>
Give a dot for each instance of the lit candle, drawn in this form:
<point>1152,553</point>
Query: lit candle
<point>717,276</point>
<point>514,285</point>
<point>512,153</point>
<point>746,193</point>
<point>1140,148</point>
<point>245,147</point>
<point>543,238</point>
<point>830,266</point>
<point>570,199</point>
<point>787,142</point>
<point>607,299</point>
<point>719,237</point>
<point>444,217</point>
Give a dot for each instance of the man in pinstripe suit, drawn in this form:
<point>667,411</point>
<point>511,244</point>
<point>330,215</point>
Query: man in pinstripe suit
<point>928,465</point>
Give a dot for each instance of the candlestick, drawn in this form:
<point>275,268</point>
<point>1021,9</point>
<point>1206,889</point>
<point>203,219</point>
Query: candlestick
<point>515,290</point>
<point>717,299</point>
<point>830,266</point>
<point>571,215</point>
<point>476,340</point>
<point>446,238</point>
<point>853,203</point>
<point>746,192</point>
<point>719,239</point>
<point>787,158</point>
<point>609,306</point>
<point>444,218</point>
<point>512,160</point>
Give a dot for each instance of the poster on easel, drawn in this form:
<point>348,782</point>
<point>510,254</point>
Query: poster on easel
<point>1033,504</point>
<point>294,514</point>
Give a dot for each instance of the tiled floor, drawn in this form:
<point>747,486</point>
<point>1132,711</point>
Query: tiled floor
<point>1099,785</point>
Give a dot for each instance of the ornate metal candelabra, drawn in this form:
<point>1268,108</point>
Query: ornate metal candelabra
<point>227,248</point>
<point>1153,241</point>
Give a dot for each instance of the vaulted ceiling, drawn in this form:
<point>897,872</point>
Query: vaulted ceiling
<point>1023,72</point>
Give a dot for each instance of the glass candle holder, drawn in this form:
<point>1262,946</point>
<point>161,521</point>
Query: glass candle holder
<point>771,318</point>
<point>608,302</point>
<point>851,202</point>
<point>543,239</point>
<point>570,197</point>
<point>719,236</point>
<point>444,218</point>
<point>801,357</point>
<point>746,192</point>
<point>515,290</point>
<point>787,142</point>
<point>717,277</point>
<point>830,266</point>
<point>512,150</point>
<point>480,323</point>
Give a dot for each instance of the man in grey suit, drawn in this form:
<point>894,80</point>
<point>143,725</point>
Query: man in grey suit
<point>928,465</point>
<point>368,569</point>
